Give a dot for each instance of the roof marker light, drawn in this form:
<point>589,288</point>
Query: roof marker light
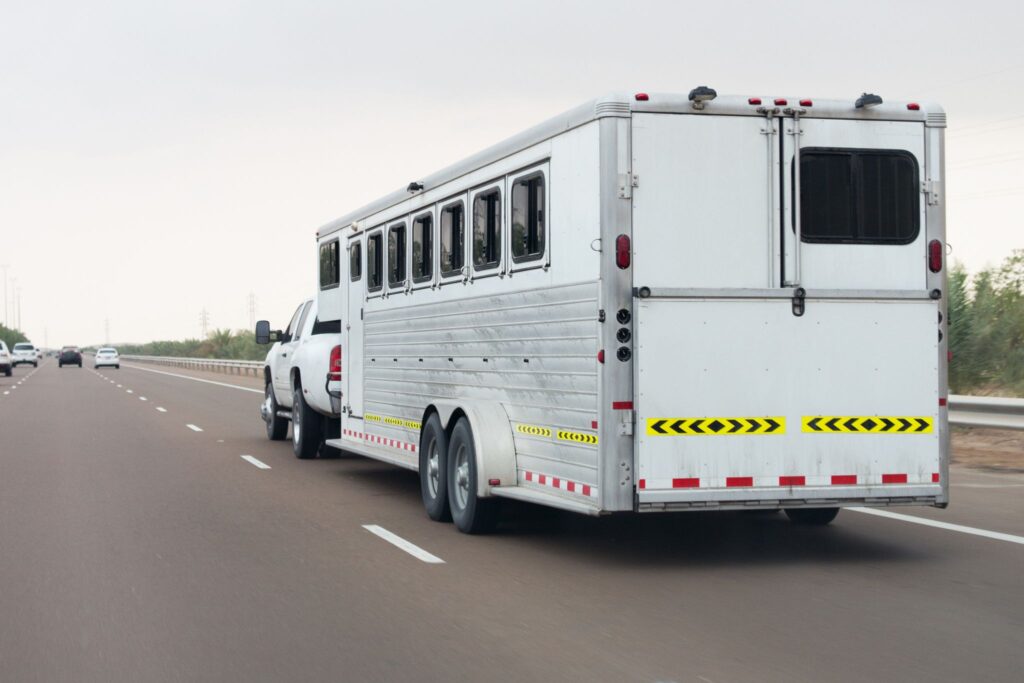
<point>641,97</point>
<point>781,102</point>
<point>754,100</point>
<point>806,103</point>
<point>914,106</point>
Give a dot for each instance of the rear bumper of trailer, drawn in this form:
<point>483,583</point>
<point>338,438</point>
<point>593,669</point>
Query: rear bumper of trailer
<point>754,498</point>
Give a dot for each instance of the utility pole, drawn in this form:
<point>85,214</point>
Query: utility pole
<point>12,316</point>
<point>106,331</point>
<point>252,310</point>
<point>19,307</point>
<point>204,321</point>
<point>6,319</point>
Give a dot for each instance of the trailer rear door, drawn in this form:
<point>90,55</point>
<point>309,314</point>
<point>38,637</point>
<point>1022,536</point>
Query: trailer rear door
<point>745,393</point>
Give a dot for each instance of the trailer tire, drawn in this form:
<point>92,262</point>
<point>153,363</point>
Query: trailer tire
<point>471,513</point>
<point>434,470</point>
<point>812,516</point>
<point>277,427</point>
<point>306,430</point>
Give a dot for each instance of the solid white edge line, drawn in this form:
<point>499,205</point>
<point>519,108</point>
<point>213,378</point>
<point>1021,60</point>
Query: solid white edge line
<point>1009,538</point>
<point>194,428</point>
<point>254,461</point>
<point>402,544</point>
<point>196,379</point>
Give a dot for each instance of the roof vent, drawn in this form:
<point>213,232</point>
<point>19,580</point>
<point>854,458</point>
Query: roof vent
<point>935,119</point>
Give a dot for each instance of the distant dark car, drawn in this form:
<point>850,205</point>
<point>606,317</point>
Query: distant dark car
<point>70,355</point>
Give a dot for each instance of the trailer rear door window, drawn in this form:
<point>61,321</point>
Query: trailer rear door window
<point>355,261</point>
<point>423,248</point>
<point>330,267</point>
<point>453,239</point>
<point>374,262</point>
<point>859,196</point>
<point>487,229</point>
<point>396,255</point>
<point>528,229</point>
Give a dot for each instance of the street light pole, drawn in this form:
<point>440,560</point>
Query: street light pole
<point>5,267</point>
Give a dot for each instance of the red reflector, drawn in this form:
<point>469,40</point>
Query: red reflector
<point>935,477</point>
<point>894,479</point>
<point>844,479</point>
<point>600,356</point>
<point>806,103</point>
<point>914,106</point>
<point>641,97</point>
<point>942,402</point>
<point>935,256</point>
<point>622,405</point>
<point>494,482</point>
<point>754,100</point>
<point>780,102</point>
<point>593,424</point>
<point>739,481</point>
<point>792,481</point>
<point>643,483</point>
<point>622,251</point>
<point>686,483</point>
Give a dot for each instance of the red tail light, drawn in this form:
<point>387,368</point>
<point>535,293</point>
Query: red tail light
<point>935,256</point>
<point>622,251</point>
<point>334,369</point>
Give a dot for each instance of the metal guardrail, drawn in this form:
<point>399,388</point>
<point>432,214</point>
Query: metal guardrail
<point>232,367</point>
<point>964,411</point>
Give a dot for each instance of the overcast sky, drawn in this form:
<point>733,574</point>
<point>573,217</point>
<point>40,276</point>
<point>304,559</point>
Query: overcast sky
<point>158,158</point>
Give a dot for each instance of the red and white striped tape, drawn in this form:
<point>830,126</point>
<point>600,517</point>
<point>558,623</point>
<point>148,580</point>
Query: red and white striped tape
<point>561,484</point>
<point>788,480</point>
<point>383,441</point>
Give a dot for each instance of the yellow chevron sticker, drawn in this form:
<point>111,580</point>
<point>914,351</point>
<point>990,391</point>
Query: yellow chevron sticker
<point>393,421</point>
<point>533,430</point>
<point>372,418</point>
<point>411,424</point>
<point>715,426</point>
<point>577,437</point>
<point>867,424</point>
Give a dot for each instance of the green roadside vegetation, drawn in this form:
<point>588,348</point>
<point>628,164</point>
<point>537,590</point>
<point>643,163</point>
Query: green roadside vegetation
<point>224,344</point>
<point>11,336</point>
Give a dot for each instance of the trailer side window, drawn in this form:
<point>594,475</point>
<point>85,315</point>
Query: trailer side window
<point>453,238</point>
<point>487,229</point>
<point>528,218</point>
<point>859,196</point>
<point>374,261</point>
<point>355,261</point>
<point>396,255</point>
<point>330,266</point>
<point>423,248</point>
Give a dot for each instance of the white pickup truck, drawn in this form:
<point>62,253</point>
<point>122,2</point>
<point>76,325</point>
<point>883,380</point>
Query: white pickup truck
<point>298,384</point>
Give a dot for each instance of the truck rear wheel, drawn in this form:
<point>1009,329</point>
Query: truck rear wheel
<point>306,432</point>
<point>434,470</point>
<point>471,514</point>
<point>812,516</point>
<point>277,427</point>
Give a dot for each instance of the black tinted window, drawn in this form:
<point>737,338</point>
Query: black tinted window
<point>423,248</point>
<point>396,255</point>
<point>330,267</point>
<point>528,218</point>
<point>487,229</point>
<point>859,196</point>
<point>355,261</point>
<point>374,261</point>
<point>453,239</point>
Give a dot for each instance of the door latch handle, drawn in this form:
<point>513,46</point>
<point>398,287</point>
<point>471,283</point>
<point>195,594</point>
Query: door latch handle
<point>798,301</point>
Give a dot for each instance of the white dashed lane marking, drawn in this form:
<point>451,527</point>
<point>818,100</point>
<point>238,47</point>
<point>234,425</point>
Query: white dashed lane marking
<point>254,461</point>
<point>194,428</point>
<point>161,409</point>
<point>143,398</point>
<point>399,542</point>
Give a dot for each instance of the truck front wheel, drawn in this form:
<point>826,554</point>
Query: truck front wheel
<point>277,427</point>
<point>305,426</point>
<point>812,516</point>
<point>471,514</point>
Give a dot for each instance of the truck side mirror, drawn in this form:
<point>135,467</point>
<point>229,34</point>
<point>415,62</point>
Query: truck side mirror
<point>263,332</point>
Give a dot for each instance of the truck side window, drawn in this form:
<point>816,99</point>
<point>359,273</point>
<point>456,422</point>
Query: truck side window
<point>330,266</point>
<point>423,248</point>
<point>396,255</point>
<point>487,229</point>
<point>528,229</point>
<point>453,239</point>
<point>355,261</point>
<point>374,261</point>
<point>859,196</point>
<point>294,322</point>
<point>302,321</point>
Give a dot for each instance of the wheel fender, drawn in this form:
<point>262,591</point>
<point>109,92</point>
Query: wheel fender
<point>492,440</point>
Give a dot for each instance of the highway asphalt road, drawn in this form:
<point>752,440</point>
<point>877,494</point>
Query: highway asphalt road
<point>134,547</point>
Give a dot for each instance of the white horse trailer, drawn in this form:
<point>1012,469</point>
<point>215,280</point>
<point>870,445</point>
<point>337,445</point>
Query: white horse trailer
<point>657,303</point>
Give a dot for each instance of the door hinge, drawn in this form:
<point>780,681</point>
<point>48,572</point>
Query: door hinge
<point>625,423</point>
<point>627,181</point>
<point>931,189</point>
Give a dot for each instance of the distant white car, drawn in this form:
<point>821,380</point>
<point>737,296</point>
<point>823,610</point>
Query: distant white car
<point>5,360</point>
<point>107,356</point>
<point>25,354</point>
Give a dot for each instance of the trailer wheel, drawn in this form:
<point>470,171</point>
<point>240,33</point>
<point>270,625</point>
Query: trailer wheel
<point>434,470</point>
<point>812,516</point>
<point>471,514</point>
<point>305,426</point>
<point>277,427</point>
